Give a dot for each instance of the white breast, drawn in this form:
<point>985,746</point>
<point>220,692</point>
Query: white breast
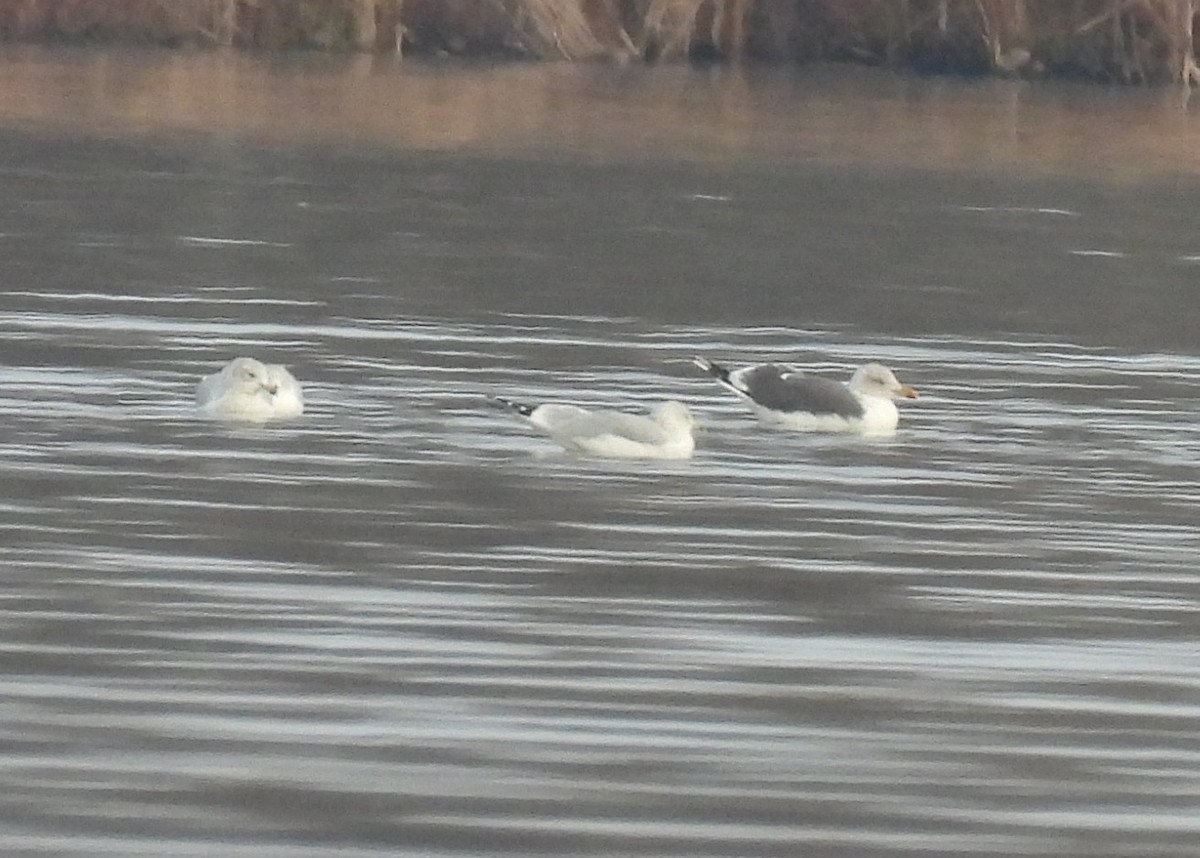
<point>880,416</point>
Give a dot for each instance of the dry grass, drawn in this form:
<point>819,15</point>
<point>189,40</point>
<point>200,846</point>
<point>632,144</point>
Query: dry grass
<point>1129,41</point>
<point>557,29</point>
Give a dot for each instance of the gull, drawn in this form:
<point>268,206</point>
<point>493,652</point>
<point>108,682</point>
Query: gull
<point>665,434</point>
<point>248,391</point>
<point>785,396</point>
<point>289,398</point>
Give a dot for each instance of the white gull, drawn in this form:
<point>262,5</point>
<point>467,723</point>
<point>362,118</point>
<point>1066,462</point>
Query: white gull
<point>289,398</point>
<point>665,434</point>
<point>248,391</point>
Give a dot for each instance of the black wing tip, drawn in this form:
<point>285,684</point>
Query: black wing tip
<point>520,407</point>
<point>717,371</point>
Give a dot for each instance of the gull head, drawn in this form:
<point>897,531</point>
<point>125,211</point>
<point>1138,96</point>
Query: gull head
<point>280,379</point>
<point>251,376</point>
<point>875,379</point>
<point>674,416</point>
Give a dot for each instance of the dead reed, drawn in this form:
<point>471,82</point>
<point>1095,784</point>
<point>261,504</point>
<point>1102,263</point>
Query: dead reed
<point>1128,41</point>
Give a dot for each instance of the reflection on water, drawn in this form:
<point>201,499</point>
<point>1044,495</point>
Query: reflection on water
<point>844,115</point>
<point>401,626</point>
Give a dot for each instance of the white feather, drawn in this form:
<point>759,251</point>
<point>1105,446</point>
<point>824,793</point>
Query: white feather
<point>248,391</point>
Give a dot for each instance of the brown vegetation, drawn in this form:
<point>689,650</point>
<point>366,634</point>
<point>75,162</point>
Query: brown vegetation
<point>1130,41</point>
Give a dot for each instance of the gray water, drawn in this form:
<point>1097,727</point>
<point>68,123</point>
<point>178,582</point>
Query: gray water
<point>406,625</point>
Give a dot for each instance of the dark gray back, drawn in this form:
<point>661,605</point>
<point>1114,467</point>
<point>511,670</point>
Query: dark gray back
<point>782,388</point>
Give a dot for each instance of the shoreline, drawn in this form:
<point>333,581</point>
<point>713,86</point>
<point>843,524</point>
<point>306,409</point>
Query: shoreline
<point>833,115</point>
<point>1106,41</point>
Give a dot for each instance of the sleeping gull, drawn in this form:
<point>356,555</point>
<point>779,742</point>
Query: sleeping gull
<point>249,391</point>
<point>665,434</point>
<point>785,396</point>
<point>289,398</point>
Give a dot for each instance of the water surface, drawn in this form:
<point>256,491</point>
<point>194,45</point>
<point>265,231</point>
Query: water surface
<point>405,625</point>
